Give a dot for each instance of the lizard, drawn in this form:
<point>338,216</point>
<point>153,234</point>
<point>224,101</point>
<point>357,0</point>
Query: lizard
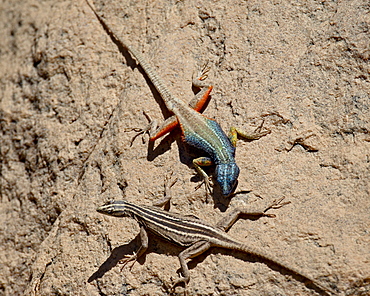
<point>197,130</point>
<point>195,235</point>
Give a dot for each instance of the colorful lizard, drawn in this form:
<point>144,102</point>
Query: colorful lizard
<point>198,130</point>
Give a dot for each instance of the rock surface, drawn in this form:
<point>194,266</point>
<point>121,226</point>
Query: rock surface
<point>69,97</point>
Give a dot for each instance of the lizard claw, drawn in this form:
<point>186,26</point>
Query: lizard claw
<point>177,282</point>
<point>203,73</point>
<point>167,184</point>
<point>142,131</point>
<point>127,259</point>
<point>276,204</point>
<point>208,184</point>
<point>167,190</point>
<point>258,133</point>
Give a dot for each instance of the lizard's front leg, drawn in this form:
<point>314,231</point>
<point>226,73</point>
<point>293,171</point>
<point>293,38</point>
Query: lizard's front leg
<point>191,252</point>
<point>144,246</point>
<point>198,163</point>
<point>257,134</point>
<point>167,194</point>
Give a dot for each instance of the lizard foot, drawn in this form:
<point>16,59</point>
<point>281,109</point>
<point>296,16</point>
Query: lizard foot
<point>127,259</point>
<point>167,190</point>
<point>203,73</point>
<point>276,204</point>
<point>207,181</point>
<point>181,280</point>
<point>152,125</point>
<point>259,133</point>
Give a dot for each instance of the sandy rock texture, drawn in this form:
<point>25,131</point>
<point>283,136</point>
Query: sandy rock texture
<point>69,98</point>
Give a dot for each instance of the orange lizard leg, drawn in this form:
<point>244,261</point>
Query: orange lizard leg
<point>168,125</point>
<point>171,123</point>
<point>203,102</point>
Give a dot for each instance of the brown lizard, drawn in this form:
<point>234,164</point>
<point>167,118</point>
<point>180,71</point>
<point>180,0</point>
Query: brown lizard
<point>195,235</point>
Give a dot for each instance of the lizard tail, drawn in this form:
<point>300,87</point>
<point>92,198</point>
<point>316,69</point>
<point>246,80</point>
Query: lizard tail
<point>258,253</point>
<point>148,69</point>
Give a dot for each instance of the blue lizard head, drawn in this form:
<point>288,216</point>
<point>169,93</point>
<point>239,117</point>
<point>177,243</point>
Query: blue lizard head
<point>227,177</point>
